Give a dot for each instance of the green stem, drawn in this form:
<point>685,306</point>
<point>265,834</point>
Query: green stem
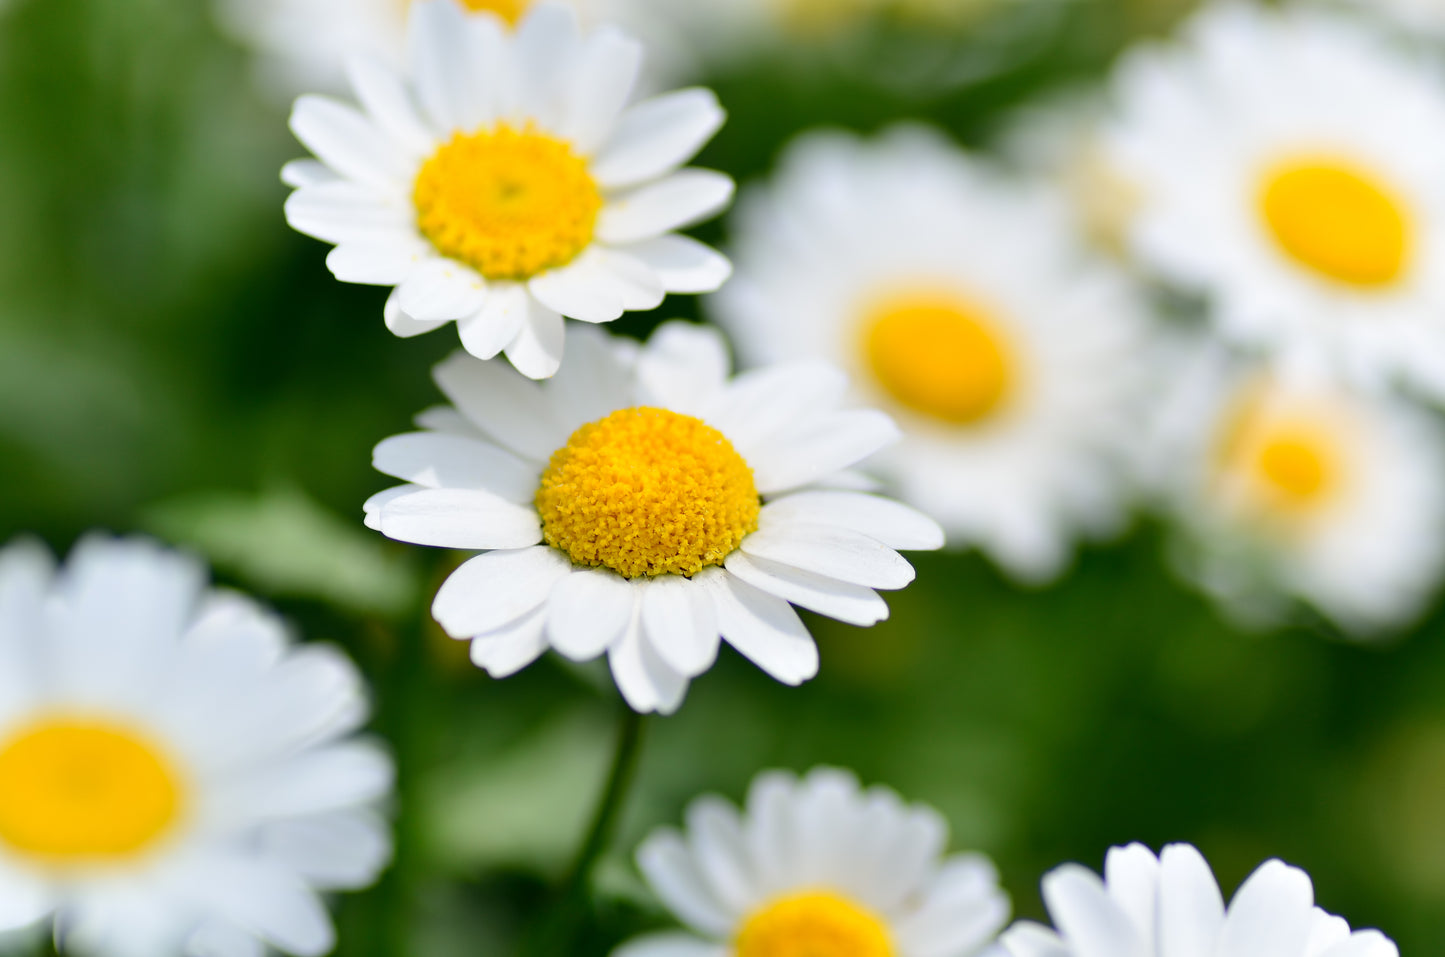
<point>559,931</point>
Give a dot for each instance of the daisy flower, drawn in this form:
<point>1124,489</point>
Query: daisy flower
<point>1287,165</point>
<point>962,305</point>
<point>304,44</point>
<point>820,867</point>
<point>505,183</point>
<point>175,776</point>
<point>1149,906</point>
<point>642,504</point>
<point>1296,486</point>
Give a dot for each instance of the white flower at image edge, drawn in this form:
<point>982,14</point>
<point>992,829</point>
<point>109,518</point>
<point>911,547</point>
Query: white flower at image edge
<point>817,867</point>
<point>506,183</point>
<point>644,504</point>
<point>1171,906</point>
<point>175,776</point>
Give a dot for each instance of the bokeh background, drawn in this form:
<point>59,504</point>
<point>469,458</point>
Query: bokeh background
<point>174,360</point>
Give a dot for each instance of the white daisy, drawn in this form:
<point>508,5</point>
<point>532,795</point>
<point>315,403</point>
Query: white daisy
<point>175,777</point>
<point>1171,905</point>
<point>962,304</point>
<point>642,504</point>
<point>304,44</point>
<point>818,867</point>
<point>1298,487</point>
<point>1288,165</point>
<point>506,183</point>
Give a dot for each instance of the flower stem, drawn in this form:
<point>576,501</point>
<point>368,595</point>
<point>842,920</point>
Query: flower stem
<point>559,931</point>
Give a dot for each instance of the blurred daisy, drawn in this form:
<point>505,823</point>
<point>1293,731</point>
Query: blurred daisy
<point>175,778</point>
<point>818,867</point>
<point>963,306</point>
<point>642,504</point>
<point>1288,164</point>
<point>1169,905</point>
<point>304,44</point>
<point>1295,486</point>
<point>507,183</point>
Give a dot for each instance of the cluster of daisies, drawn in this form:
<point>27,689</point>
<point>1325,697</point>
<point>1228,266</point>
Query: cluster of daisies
<point>176,776</point>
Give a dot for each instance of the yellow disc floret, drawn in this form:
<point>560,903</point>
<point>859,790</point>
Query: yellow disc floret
<point>938,356</point>
<point>647,491</point>
<point>84,792</point>
<point>1338,221</point>
<point>509,203</point>
<point>1281,462</point>
<point>509,10</point>
<point>813,925</point>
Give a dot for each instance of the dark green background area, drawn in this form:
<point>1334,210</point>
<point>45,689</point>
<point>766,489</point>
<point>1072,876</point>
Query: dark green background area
<point>174,360</point>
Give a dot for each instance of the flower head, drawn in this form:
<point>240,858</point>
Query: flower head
<point>505,182</point>
<point>175,777</point>
<point>817,867</point>
<point>643,504</point>
<point>1149,906</point>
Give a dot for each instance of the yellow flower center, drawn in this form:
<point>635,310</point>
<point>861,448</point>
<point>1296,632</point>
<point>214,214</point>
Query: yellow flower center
<point>648,492</point>
<point>509,203</point>
<point>940,357</point>
<point>84,792</point>
<point>509,10</point>
<point>1338,220</point>
<point>813,925</point>
<point>1283,462</point>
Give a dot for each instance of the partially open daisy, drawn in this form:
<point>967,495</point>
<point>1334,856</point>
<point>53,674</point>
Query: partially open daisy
<point>962,306</point>
<point>1287,164</point>
<point>1297,487</point>
<point>817,867</point>
<point>1169,905</point>
<point>506,183</point>
<point>642,504</point>
<point>175,777</point>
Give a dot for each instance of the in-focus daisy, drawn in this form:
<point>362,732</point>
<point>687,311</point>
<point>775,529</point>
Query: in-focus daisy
<point>175,776</point>
<point>643,503</point>
<point>1169,905</point>
<point>505,183</point>
<point>1293,486</point>
<point>962,304</point>
<point>304,44</point>
<point>817,867</point>
<point>1287,164</point>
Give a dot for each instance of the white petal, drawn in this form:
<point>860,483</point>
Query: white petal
<point>404,325</point>
<point>600,87</point>
<point>503,404</point>
<point>460,518</point>
<point>587,612</point>
<point>452,461</point>
<point>834,552</point>
<point>1270,914</point>
<point>1132,876</point>
<point>442,289</point>
<point>644,679</point>
<point>442,47</point>
<point>266,899</point>
<point>343,851</point>
<point>1086,916</point>
<point>387,100</point>
<point>807,455</point>
<point>347,141</point>
<point>959,915</point>
<point>23,899</point>
<point>1028,939</point>
<point>1191,910</point>
<point>673,876</point>
<point>507,650</point>
<point>885,520</point>
<point>372,507</point>
<point>580,290</point>
<point>598,378</point>
<point>686,197</point>
<point>497,588</point>
<point>546,47</point>
<point>657,136</point>
<point>378,262</point>
<point>343,211</point>
<point>684,367</point>
<point>762,627</point>
<point>633,281</point>
<point>1364,943</point>
<point>761,404</point>
<point>307,172</point>
<point>679,622</point>
<point>682,264</point>
<point>315,781</point>
<point>537,350</point>
<point>853,604</point>
<point>720,853</point>
<point>499,321</point>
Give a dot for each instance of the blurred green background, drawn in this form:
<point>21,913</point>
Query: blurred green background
<point>174,360</point>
